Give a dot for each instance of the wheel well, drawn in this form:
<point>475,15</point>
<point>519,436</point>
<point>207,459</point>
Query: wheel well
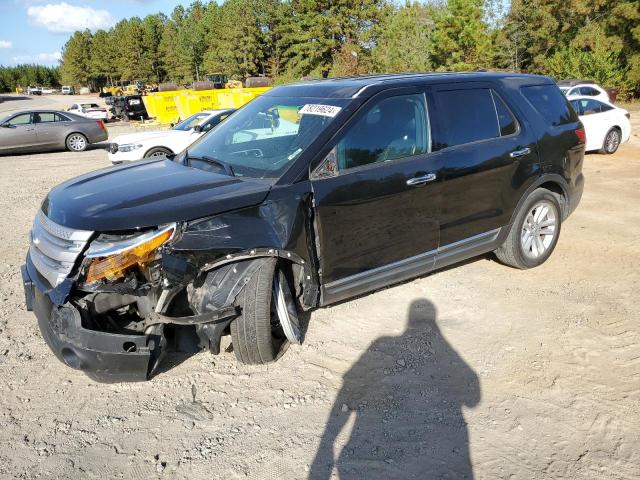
<point>168,150</point>
<point>560,193</point>
<point>74,133</point>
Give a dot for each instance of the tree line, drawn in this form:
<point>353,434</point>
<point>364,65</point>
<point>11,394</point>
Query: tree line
<point>291,39</point>
<point>25,75</point>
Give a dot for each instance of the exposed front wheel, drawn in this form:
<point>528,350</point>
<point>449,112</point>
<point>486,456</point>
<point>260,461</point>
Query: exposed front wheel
<point>534,233</point>
<point>157,152</point>
<point>258,334</point>
<point>77,142</point>
<point>611,141</point>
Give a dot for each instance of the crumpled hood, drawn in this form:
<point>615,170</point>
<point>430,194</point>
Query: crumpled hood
<point>147,193</point>
<point>144,136</point>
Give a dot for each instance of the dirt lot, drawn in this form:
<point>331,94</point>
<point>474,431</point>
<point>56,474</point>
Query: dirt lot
<point>479,371</point>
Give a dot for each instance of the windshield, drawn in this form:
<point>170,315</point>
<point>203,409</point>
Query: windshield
<point>265,136</point>
<point>191,122</point>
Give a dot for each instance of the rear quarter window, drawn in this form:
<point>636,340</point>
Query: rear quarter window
<point>549,102</point>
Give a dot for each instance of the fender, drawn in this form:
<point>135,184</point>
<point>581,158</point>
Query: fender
<point>542,179</point>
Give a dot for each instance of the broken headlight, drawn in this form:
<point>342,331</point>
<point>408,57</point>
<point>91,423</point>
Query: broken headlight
<point>110,257</point>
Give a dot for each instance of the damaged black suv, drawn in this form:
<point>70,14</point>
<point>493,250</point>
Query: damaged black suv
<point>310,194</point>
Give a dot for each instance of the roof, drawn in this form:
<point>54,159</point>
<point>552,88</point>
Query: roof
<point>364,85</point>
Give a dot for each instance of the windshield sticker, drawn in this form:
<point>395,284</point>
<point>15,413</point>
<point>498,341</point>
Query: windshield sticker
<point>318,109</point>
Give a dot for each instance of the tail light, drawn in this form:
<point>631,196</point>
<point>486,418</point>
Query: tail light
<point>101,124</point>
<point>582,136</point>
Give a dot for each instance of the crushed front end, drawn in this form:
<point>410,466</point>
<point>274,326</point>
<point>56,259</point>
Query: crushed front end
<point>101,299</point>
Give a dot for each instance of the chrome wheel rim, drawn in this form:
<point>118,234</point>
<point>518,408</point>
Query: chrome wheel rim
<point>158,154</point>
<point>613,140</point>
<point>77,142</point>
<point>539,229</point>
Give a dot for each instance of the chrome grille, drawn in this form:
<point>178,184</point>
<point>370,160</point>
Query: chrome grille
<point>54,248</point>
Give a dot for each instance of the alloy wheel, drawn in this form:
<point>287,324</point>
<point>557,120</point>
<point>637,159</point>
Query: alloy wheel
<point>613,141</point>
<point>77,143</point>
<point>539,229</point>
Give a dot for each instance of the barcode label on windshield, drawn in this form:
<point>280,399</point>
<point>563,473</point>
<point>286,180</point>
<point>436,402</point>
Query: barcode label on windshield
<point>318,109</point>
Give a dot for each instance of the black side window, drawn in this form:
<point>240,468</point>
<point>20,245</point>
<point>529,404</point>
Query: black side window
<point>395,127</point>
<point>550,103</point>
<point>589,107</point>
<point>61,118</point>
<point>589,91</point>
<point>576,106</point>
<point>465,116</point>
<point>506,121</point>
<point>605,108</point>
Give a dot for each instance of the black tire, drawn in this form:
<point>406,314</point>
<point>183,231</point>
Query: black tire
<point>513,251</point>
<point>76,142</point>
<point>252,333</point>
<point>611,141</point>
<point>157,152</point>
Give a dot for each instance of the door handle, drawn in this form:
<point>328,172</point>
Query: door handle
<point>520,153</point>
<point>421,180</point>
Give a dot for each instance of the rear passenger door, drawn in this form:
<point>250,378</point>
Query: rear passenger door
<point>486,154</point>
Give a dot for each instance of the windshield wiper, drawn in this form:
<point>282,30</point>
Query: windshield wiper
<point>228,169</point>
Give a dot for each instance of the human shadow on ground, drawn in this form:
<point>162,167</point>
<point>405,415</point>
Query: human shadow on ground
<point>405,394</point>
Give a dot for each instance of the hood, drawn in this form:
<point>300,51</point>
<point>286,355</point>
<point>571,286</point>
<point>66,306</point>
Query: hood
<point>144,136</point>
<point>147,193</point>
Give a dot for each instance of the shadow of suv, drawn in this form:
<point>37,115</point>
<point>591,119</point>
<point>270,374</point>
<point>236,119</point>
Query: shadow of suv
<point>310,194</point>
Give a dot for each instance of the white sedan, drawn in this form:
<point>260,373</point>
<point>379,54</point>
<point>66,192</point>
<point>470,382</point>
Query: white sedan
<point>606,126</point>
<point>136,146</point>
<point>591,90</point>
<point>89,110</point>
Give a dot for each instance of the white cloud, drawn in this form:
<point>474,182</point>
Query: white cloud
<point>65,18</point>
<point>6,44</point>
<point>39,58</point>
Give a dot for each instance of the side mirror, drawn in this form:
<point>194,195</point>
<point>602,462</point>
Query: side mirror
<point>197,129</point>
<point>171,125</point>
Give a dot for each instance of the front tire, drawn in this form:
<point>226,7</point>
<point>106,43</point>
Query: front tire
<point>157,152</point>
<point>611,141</point>
<point>76,142</point>
<point>256,333</point>
<point>534,233</point>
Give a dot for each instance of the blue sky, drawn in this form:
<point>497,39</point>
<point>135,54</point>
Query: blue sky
<point>34,31</point>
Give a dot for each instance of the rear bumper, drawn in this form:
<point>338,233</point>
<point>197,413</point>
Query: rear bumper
<point>104,357</point>
<point>575,193</point>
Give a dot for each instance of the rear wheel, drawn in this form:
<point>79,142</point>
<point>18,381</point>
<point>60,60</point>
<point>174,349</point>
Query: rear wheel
<point>611,141</point>
<point>534,233</point>
<point>157,152</point>
<point>256,334</point>
<point>76,142</point>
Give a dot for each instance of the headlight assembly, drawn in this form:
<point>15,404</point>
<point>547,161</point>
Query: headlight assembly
<point>128,147</point>
<point>109,259</point>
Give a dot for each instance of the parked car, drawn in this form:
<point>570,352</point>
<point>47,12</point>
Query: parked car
<point>606,126</point>
<point>89,110</point>
<point>385,178</point>
<point>49,130</point>
<point>67,90</point>
<point>584,88</point>
<point>34,90</point>
<point>130,107</point>
<point>135,146</point>
<point>46,90</point>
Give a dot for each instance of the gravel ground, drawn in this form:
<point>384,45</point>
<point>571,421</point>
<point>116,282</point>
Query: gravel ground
<point>478,371</point>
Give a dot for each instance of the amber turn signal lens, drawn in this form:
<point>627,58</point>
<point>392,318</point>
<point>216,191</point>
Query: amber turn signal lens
<point>115,266</point>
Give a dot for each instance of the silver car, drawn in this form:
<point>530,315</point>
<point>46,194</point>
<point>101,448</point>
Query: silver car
<point>49,130</point>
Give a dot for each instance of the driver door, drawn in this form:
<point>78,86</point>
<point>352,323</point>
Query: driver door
<point>377,198</point>
<point>18,133</point>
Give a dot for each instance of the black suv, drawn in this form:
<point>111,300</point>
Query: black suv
<point>310,194</point>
